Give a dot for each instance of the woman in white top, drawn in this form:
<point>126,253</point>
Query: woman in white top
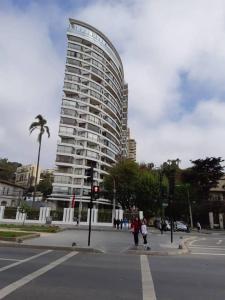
<point>144,233</point>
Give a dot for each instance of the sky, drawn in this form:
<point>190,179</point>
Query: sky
<point>173,54</point>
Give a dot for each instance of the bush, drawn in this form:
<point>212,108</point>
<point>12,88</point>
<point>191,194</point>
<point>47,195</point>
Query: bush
<point>10,213</point>
<point>104,216</point>
<point>57,215</point>
<point>33,214</point>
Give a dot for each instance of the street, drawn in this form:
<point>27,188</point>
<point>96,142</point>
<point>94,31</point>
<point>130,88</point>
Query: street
<point>27,273</point>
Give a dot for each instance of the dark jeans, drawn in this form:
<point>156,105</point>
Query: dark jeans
<point>145,239</point>
<point>135,238</point>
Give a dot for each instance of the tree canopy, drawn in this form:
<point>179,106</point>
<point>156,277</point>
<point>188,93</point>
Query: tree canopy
<point>8,169</point>
<point>204,175</point>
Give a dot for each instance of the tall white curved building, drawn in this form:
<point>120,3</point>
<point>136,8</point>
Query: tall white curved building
<point>93,119</point>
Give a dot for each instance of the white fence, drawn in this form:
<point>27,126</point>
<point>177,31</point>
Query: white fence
<point>67,219</point>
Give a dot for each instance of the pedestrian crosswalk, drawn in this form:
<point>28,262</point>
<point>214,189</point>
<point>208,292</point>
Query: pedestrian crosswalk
<point>207,246</point>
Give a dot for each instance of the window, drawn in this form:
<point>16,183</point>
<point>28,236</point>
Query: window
<point>72,70</point>
<point>66,130</point>
<point>74,46</point>
<point>78,171</point>
<point>72,78</point>
<point>77,181</point>
<point>70,103</point>
<point>93,119</point>
<point>65,149</point>
<point>68,121</point>
<point>93,128</point>
<point>71,86</point>
<point>64,159</point>
<point>78,161</point>
<point>62,179</point>
<point>92,136</point>
<point>60,190</point>
<point>92,154</point>
<point>72,61</point>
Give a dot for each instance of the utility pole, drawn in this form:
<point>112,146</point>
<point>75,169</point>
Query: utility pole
<point>90,174</point>
<point>189,206</point>
<point>171,167</point>
<point>114,199</point>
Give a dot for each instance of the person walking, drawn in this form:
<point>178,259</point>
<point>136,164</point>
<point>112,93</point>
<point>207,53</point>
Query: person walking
<point>118,224</point>
<point>198,226</point>
<point>144,233</point>
<point>121,224</point>
<point>135,229</point>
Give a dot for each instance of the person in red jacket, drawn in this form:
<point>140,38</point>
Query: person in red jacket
<point>135,229</point>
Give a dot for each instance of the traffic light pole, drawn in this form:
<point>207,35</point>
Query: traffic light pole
<point>90,208</point>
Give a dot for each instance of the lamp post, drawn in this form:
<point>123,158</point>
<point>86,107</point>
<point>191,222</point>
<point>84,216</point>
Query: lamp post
<point>170,168</point>
<point>114,200</point>
<point>189,205</point>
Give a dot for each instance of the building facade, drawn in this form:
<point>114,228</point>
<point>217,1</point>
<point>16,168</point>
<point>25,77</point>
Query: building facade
<point>93,119</point>
<point>25,176</point>
<point>131,147</point>
<point>10,194</point>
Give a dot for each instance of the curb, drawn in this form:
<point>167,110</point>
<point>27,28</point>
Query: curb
<point>44,247</point>
<point>182,249</point>
<point>20,239</point>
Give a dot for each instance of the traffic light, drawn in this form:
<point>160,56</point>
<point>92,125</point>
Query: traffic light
<point>89,173</point>
<point>96,191</point>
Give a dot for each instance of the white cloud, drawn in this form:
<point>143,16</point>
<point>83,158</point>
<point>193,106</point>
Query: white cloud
<point>157,41</point>
<point>31,76</point>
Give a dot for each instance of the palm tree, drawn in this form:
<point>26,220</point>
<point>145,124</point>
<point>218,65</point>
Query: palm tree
<point>41,125</point>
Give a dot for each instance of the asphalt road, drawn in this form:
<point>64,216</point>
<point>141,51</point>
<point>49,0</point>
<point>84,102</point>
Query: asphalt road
<point>42,274</point>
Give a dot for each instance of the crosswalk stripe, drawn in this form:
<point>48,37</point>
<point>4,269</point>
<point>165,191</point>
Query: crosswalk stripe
<point>24,260</point>
<point>207,247</point>
<point>207,253</point>
<point>21,282</point>
<point>148,289</point>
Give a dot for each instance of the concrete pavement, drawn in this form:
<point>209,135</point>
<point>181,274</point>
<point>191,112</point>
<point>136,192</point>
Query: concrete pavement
<point>110,241</point>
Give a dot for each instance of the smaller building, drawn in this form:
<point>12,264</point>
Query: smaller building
<point>25,176</point>
<point>131,145</point>
<point>218,193</point>
<point>10,193</point>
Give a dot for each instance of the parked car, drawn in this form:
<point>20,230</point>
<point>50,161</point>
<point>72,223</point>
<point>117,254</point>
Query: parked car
<point>157,224</point>
<point>181,226</point>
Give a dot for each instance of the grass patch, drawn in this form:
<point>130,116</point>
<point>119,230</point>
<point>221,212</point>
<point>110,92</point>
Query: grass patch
<point>12,234</point>
<point>34,228</point>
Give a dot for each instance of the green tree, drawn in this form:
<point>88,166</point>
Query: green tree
<point>204,175</point>
<point>45,185</point>
<point>125,176</point>
<point>148,191</point>
<point>8,169</point>
<point>42,127</point>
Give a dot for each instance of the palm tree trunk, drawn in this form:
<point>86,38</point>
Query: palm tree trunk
<point>36,177</point>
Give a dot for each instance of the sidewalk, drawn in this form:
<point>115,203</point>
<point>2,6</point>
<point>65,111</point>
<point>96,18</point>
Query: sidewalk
<point>109,241</point>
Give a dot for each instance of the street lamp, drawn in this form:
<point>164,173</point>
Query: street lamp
<point>170,168</point>
<point>187,186</point>
<point>114,200</point>
<point>189,204</point>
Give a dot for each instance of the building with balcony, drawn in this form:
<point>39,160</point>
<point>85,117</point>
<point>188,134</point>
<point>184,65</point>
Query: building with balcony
<point>93,119</point>
<point>131,147</point>
<point>25,176</point>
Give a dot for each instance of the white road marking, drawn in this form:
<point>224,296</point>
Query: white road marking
<point>206,253</point>
<point>10,259</point>
<point>207,247</point>
<point>191,243</point>
<point>21,282</point>
<point>219,242</point>
<point>148,289</point>
<point>24,260</point>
